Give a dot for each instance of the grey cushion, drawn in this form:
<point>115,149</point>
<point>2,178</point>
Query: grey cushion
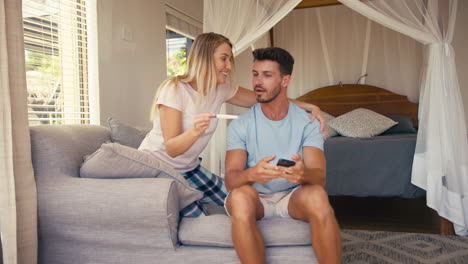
<point>126,134</point>
<point>214,209</point>
<point>361,123</point>
<point>215,230</point>
<point>405,125</point>
<point>330,132</point>
<point>113,161</point>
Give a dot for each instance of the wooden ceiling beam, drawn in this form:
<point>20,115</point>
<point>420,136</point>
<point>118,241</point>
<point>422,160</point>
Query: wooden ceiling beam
<point>316,3</point>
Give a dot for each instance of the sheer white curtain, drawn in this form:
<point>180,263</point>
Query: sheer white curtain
<point>18,214</point>
<point>243,22</point>
<point>441,160</point>
<point>334,44</point>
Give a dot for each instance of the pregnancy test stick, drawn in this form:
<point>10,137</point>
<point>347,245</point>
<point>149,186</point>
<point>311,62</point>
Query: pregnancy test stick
<point>220,116</point>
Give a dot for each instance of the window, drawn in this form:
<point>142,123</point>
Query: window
<point>181,31</point>
<point>177,49</point>
<point>57,61</point>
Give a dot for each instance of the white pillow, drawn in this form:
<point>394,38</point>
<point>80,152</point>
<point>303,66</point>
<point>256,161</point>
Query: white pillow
<point>361,123</point>
<point>329,132</point>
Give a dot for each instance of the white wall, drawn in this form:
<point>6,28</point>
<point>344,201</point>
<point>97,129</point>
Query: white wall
<point>191,8</point>
<point>131,70</point>
<point>460,42</point>
<point>132,55</point>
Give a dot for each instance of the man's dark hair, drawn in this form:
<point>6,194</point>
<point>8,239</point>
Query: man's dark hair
<point>281,56</point>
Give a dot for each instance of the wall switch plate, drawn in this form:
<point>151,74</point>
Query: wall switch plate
<point>126,33</point>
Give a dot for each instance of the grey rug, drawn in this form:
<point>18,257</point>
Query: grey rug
<point>380,247</point>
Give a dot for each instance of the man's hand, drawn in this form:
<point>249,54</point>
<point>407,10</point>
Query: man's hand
<point>264,172</point>
<point>294,174</point>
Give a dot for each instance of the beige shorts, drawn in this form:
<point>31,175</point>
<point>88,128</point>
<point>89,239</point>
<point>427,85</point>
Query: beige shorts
<point>275,205</point>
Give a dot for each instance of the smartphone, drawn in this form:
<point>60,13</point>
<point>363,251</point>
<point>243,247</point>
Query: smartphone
<point>285,163</point>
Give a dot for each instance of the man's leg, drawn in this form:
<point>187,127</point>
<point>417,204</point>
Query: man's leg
<point>245,208</point>
<point>310,203</point>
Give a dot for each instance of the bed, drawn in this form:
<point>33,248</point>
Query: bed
<point>379,166</point>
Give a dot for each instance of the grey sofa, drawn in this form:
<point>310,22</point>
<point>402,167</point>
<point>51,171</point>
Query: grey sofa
<point>131,220</point>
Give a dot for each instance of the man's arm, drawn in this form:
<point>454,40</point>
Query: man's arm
<point>237,175</point>
<point>310,170</point>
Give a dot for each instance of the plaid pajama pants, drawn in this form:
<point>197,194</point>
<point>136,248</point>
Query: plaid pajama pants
<point>212,187</point>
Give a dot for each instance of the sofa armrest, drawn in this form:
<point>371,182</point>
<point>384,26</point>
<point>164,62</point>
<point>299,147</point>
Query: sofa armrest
<point>134,212</point>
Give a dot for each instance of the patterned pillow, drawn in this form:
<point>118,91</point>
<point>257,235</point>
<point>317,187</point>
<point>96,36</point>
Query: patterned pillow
<point>361,123</point>
<point>329,132</point>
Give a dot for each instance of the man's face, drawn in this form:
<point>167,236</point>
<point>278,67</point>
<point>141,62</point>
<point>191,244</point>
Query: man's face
<point>267,80</point>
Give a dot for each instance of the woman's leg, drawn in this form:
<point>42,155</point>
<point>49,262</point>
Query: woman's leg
<point>210,184</point>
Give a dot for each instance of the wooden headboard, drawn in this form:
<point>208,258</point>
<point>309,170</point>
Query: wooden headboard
<point>339,99</point>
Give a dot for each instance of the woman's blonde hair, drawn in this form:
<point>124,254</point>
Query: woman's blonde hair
<point>200,67</point>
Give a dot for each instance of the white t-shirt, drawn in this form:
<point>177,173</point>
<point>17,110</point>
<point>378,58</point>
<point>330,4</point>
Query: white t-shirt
<point>184,100</point>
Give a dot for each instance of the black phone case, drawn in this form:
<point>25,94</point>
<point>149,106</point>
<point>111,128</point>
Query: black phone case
<point>285,163</point>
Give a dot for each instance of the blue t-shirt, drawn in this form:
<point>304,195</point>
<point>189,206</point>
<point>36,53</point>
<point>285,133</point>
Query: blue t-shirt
<point>262,137</point>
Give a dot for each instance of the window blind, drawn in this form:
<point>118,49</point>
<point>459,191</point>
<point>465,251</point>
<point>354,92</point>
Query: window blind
<point>56,56</point>
<point>181,23</point>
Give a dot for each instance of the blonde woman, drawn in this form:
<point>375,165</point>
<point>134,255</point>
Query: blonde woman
<point>183,114</point>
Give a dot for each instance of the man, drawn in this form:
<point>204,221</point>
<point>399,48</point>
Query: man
<point>271,130</point>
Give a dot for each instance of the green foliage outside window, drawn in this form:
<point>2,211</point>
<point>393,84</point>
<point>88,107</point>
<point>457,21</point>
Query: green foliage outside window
<point>177,63</point>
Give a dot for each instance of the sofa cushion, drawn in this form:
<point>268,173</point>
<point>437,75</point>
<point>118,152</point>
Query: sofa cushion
<point>114,161</point>
<point>215,230</point>
<point>126,134</point>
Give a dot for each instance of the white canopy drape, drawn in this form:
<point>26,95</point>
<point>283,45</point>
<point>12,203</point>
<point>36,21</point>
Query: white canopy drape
<point>18,195</point>
<point>342,45</point>
<point>334,44</point>
<point>243,22</point>
<point>441,158</point>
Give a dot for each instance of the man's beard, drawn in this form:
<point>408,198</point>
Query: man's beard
<point>267,100</point>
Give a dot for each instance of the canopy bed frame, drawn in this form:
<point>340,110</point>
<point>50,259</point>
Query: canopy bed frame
<point>428,22</point>
<point>316,3</point>
<point>342,98</point>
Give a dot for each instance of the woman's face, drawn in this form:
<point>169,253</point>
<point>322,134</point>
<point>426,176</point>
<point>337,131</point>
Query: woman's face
<point>222,60</point>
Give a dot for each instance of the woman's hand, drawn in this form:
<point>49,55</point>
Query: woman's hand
<point>201,123</point>
<point>176,140</point>
<point>317,113</point>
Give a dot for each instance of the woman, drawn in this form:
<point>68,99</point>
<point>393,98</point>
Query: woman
<point>183,110</point>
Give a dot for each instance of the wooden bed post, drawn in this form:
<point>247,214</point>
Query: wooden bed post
<point>446,227</point>
<point>272,39</point>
